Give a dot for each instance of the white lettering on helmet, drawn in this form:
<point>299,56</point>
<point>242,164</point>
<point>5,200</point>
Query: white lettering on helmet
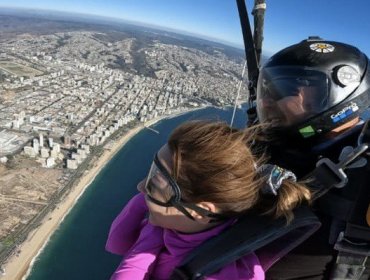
<point>345,112</point>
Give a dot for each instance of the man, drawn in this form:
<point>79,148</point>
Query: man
<point>313,95</point>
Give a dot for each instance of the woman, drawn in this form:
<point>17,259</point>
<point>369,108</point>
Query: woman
<point>199,183</point>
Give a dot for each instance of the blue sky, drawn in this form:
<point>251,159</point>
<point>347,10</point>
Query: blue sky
<point>286,21</point>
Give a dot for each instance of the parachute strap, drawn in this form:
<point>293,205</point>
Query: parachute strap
<point>353,241</point>
<point>252,47</point>
<point>269,238</point>
<point>349,266</point>
<point>359,247</point>
<point>328,174</point>
<point>351,259</point>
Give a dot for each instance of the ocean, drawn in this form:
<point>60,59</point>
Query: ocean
<point>76,248</point>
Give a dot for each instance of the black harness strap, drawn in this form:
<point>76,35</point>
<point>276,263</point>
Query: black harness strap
<point>348,208</point>
<point>349,266</point>
<point>250,51</point>
<point>270,238</point>
<point>247,235</point>
<point>328,175</point>
<point>352,259</point>
<point>353,242</point>
<point>252,55</point>
<point>259,19</point>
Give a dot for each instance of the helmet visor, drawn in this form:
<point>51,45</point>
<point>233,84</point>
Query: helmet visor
<point>287,96</point>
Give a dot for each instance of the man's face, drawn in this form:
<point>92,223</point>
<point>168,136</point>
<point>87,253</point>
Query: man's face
<point>290,109</point>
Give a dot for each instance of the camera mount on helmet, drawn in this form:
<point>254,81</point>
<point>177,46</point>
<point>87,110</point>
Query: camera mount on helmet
<point>313,87</point>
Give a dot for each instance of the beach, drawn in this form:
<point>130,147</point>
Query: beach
<point>59,248</point>
<point>19,264</point>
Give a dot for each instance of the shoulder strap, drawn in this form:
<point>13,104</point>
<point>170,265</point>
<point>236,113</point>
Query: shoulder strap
<point>249,234</point>
<point>349,206</point>
<point>328,175</point>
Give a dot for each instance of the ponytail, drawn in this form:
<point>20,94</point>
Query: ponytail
<point>216,163</point>
<point>280,193</point>
<point>290,195</point>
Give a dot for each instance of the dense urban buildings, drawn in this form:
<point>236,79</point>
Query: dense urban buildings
<point>67,91</point>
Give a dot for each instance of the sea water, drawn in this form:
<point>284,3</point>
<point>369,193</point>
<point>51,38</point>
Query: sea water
<point>76,248</point>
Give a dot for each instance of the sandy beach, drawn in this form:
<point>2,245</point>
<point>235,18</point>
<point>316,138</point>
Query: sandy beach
<point>18,266</point>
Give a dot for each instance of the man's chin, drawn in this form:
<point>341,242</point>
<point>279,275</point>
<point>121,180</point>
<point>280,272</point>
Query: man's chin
<point>275,122</point>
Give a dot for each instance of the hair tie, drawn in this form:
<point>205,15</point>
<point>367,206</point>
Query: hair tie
<point>274,175</point>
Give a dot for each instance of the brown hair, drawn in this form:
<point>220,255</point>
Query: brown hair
<point>214,162</point>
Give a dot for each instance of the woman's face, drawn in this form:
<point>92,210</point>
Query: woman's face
<point>167,217</point>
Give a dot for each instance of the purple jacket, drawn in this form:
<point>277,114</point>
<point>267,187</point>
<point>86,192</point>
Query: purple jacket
<point>151,252</point>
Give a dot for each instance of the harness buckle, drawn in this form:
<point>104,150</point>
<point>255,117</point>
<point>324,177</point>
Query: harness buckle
<point>344,244</point>
<point>334,172</point>
<point>351,259</point>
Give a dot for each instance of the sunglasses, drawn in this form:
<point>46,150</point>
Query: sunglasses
<point>159,183</point>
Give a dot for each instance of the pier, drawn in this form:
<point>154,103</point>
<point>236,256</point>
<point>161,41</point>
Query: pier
<point>152,129</point>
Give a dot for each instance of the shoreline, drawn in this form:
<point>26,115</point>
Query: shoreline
<point>18,266</point>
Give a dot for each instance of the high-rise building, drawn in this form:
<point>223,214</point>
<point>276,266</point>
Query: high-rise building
<point>50,162</point>
<point>81,153</point>
<point>72,164</point>
<point>22,115</point>
<point>53,154</point>
<point>36,145</point>
<point>56,147</point>
<point>86,148</point>
<point>30,151</point>
<point>41,139</point>
<point>77,157</point>
<point>44,152</point>
<point>15,124</point>
<point>67,140</point>
<point>51,142</point>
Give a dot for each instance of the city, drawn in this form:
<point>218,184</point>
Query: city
<point>65,97</point>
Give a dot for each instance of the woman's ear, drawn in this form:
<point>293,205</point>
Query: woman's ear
<point>209,206</point>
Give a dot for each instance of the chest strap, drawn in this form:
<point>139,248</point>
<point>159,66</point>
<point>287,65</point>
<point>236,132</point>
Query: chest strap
<point>269,238</point>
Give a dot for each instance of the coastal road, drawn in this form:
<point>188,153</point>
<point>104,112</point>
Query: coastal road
<point>11,199</point>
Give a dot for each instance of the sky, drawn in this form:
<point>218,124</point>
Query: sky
<point>286,21</point>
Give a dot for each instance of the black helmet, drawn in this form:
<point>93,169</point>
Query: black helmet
<point>313,87</point>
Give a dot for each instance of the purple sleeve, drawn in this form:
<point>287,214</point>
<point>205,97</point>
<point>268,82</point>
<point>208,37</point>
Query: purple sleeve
<point>246,268</point>
<point>141,258</point>
<point>130,271</point>
<point>126,227</point>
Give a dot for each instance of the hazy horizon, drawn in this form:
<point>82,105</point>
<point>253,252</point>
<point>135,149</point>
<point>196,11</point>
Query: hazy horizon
<point>286,22</point>
<point>92,17</point>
